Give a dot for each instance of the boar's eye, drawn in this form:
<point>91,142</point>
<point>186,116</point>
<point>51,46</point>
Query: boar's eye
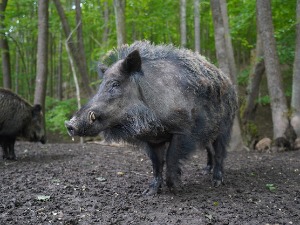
<point>115,83</point>
<point>113,87</point>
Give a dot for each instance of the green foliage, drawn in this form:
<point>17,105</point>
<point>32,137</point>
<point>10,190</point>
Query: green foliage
<point>242,23</point>
<point>250,132</point>
<point>157,21</point>
<point>57,112</point>
<point>243,77</point>
<point>286,53</point>
<point>284,20</point>
<point>252,129</point>
<point>153,20</point>
<point>264,100</point>
<point>110,57</point>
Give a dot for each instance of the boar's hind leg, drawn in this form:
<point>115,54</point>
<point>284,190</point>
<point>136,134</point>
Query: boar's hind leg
<point>210,160</point>
<point>219,146</point>
<point>156,153</point>
<point>5,149</point>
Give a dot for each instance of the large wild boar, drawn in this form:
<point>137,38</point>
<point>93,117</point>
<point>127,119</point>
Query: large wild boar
<point>18,119</point>
<point>166,98</point>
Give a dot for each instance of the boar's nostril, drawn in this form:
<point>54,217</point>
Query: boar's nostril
<point>70,128</point>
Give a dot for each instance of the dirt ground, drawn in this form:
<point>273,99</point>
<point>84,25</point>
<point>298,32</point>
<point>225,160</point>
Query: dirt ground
<point>69,183</point>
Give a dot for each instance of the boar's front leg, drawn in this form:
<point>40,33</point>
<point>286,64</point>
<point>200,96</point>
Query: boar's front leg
<point>156,153</point>
<point>219,146</point>
<point>11,149</point>
<point>8,148</point>
<point>180,146</point>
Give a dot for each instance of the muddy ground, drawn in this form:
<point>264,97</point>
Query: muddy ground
<point>69,183</point>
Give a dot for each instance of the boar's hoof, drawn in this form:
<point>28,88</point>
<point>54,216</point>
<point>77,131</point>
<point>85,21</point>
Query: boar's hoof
<point>154,187</point>
<point>217,177</point>
<point>12,158</point>
<point>175,189</point>
<point>174,185</point>
<point>217,183</point>
<point>151,191</point>
<point>206,170</point>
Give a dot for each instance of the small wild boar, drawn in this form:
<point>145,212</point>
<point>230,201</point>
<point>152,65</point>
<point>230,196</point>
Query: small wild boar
<point>18,119</point>
<point>167,99</point>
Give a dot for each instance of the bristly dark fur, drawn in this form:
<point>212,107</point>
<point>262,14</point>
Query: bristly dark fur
<point>201,75</point>
<point>139,121</point>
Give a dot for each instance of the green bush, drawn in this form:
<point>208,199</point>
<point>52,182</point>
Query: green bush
<point>57,112</point>
<point>250,133</point>
<point>264,100</point>
<point>243,77</point>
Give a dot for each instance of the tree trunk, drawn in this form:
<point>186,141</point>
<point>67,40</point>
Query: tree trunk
<point>42,54</point>
<point>220,37</point>
<point>59,71</point>
<point>236,142</point>
<point>275,86</point>
<point>50,65</point>
<point>6,70</point>
<point>183,23</point>
<point>248,117</point>
<point>17,71</point>
<point>74,76</point>
<point>119,7</point>
<point>5,63</point>
<point>295,103</point>
<point>197,24</point>
<point>229,48</point>
<point>254,82</point>
<point>80,45</point>
<point>106,22</point>
<point>73,50</point>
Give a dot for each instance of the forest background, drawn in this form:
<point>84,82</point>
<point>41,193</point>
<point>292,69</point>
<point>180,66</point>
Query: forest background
<point>83,32</point>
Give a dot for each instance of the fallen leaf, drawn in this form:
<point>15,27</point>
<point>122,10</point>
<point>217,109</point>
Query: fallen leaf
<point>271,187</point>
<point>43,197</point>
<point>101,179</point>
<point>216,203</point>
<point>120,173</point>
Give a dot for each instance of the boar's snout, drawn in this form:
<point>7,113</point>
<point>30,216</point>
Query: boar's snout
<point>71,128</point>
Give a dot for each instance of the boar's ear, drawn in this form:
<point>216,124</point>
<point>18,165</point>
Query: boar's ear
<point>101,68</point>
<point>133,62</point>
